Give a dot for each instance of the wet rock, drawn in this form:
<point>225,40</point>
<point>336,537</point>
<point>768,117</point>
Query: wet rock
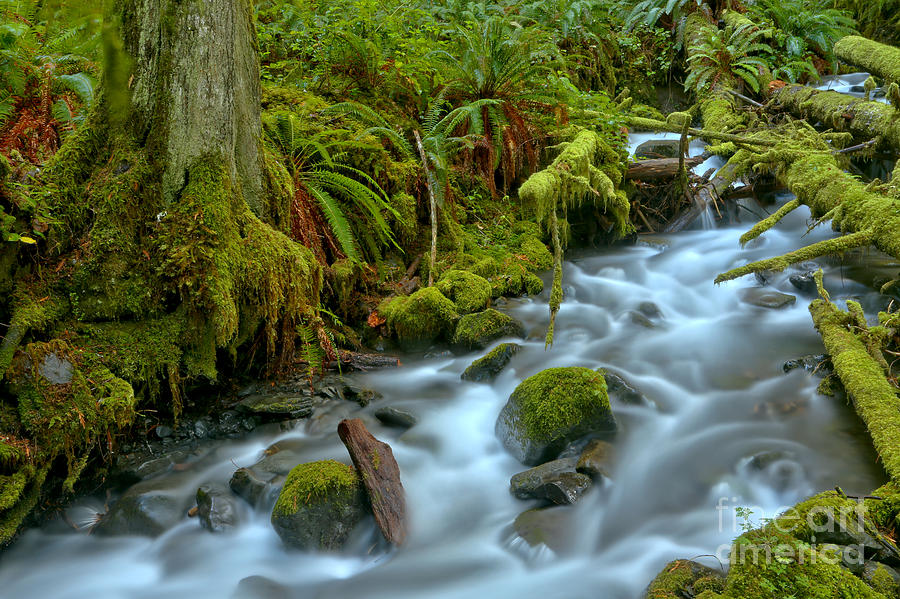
<point>766,298</point>
<point>813,363</point>
<point>640,319</point>
<point>144,510</point>
<point>260,482</point>
<point>380,475</point>
<point>278,405</point>
<point>547,526</point>
<point>765,277</point>
<point>216,509</point>
<point>162,431</point>
<point>551,409</point>
<point>395,417</point>
<point>882,578</point>
<point>487,368</point>
<point>477,331</point>
<point>361,395</point>
<point>658,148</point>
<point>260,587</point>
<point>761,461</point>
<point>804,282</point>
<point>57,371</point>
<point>685,578</point>
<point>650,310</point>
<point>554,481</point>
<point>319,505</point>
<point>596,459</point>
<point>618,389</point>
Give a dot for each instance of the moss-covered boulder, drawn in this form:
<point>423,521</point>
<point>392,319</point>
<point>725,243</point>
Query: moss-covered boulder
<point>477,331</point>
<point>468,291</point>
<point>537,254</point>
<point>319,505</point>
<point>487,367</point>
<point>419,319</point>
<point>684,578</point>
<point>551,409</point>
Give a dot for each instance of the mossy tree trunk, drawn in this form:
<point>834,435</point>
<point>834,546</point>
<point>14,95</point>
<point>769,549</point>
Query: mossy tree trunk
<point>162,260</point>
<point>879,59</point>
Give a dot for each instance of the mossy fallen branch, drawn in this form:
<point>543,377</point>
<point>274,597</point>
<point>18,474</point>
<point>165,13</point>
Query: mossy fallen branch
<point>879,59</point>
<point>767,223</point>
<point>875,399</point>
<point>842,112</point>
<point>644,124</point>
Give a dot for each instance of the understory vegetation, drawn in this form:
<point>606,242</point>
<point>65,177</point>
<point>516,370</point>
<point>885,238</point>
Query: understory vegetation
<point>421,160</point>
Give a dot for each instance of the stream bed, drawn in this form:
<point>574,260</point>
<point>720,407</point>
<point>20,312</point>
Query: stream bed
<point>724,426</point>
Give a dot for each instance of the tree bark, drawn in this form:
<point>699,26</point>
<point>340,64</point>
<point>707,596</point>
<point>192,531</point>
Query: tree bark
<point>195,89</point>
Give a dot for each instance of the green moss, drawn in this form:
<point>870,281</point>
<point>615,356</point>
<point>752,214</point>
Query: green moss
<point>879,59</point>
<point>421,318</point>
<point>404,223</point>
<point>468,291</point>
<point>558,399</point>
<point>316,482</point>
<point>883,582</point>
<point>477,330</point>
<point>682,578</point>
<point>536,253</point>
<point>21,501</point>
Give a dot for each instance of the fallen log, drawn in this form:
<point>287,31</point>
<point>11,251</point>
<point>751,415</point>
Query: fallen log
<point>874,398</point>
<point>659,168</point>
<point>363,362</point>
<point>380,475</point>
<point>877,59</point>
<point>863,119</point>
<point>705,196</point>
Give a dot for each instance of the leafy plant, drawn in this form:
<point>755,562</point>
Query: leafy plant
<point>726,55</point>
<point>320,175</point>
<point>803,26</point>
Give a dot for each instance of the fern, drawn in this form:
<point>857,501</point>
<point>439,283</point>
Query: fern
<point>726,56</point>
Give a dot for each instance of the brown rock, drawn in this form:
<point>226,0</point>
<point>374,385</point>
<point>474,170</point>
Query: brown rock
<point>596,459</point>
<point>380,474</point>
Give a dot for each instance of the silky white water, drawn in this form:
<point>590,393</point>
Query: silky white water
<point>711,367</point>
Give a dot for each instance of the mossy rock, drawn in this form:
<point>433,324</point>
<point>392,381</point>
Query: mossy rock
<point>486,368</point>
<point>319,506</point>
<point>536,253</point>
<point>468,291</point>
<point>551,409</point>
<point>419,319</point>
<point>476,331</point>
<point>684,578</point>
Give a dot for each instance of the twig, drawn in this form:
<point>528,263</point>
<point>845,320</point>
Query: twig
<point>857,147</point>
<point>750,101</point>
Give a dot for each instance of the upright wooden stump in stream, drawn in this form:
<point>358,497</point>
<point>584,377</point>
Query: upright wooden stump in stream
<point>380,474</point>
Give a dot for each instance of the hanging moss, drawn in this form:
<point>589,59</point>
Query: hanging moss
<point>878,59</point>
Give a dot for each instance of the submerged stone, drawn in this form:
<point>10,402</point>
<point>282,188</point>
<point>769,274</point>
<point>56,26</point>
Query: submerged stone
<point>766,298</point>
<point>804,282</point>
<point>490,365</point>
<point>596,459</point>
<point>396,417</point>
<point>319,505</point>
<point>144,510</point>
<point>216,509</point>
<point>551,409</point>
<point>545,526</point>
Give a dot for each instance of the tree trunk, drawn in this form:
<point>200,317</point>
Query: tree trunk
<point>195,88</point>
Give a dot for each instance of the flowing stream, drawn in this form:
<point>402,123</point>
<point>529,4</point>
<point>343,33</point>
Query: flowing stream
<point>709,364</point>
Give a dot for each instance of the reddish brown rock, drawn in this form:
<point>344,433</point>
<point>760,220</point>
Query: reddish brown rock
<point>380,474</point>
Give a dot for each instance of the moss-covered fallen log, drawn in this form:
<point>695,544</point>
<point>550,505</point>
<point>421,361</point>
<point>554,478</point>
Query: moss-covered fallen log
<point>841,112</point>
<point>819,182</point>
<point>851,345</point>
<point>707,134</point>
<point>879,59</point>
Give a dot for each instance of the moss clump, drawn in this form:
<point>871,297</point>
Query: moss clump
<point>684,578</point>
<point>475,331</point>
<point>553,408</point>
<point>319,505</point>
<point>536,253</point>
<point>468,291</point>
<point>421,318</point>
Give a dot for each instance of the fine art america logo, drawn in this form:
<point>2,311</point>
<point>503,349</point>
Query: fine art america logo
<point>833,534</point>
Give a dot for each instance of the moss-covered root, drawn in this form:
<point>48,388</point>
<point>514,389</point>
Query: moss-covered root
<point>878,59</point>
<point>875,398</point>
<point>865,120</point>
<point>837,245</point>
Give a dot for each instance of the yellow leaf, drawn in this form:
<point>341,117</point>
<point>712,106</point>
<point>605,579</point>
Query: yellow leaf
<point>28,240</point>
